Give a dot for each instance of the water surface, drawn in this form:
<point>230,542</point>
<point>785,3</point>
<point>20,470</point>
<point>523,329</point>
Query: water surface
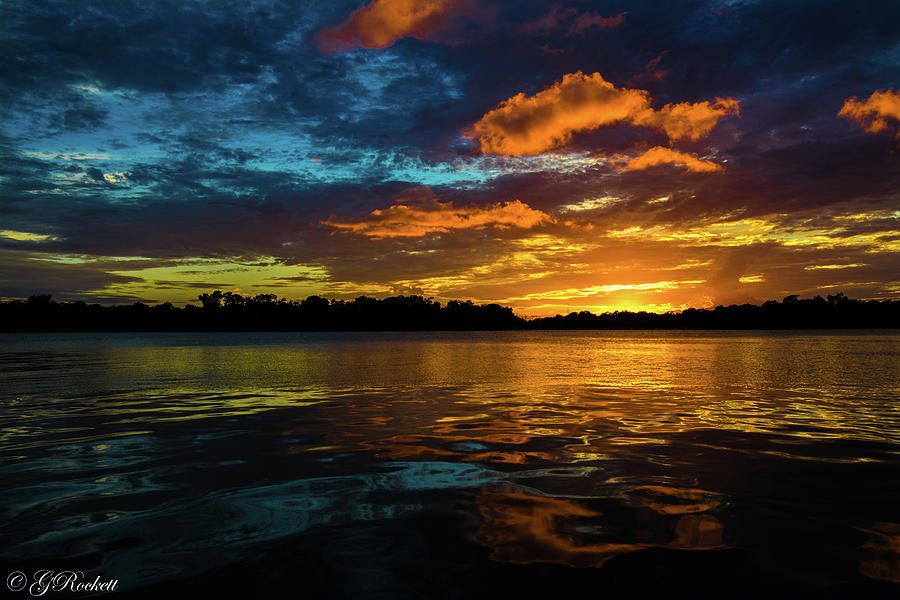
<point>456,465</point>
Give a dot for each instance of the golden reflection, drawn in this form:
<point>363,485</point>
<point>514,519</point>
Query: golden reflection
<point>641,393</point>
<point>698,532</point>
<point>674,501</point>
<point>883,552</point>
<point>585,445</point>
<point>231,405</point>
<point>524,528</point>
<point>506,391</point>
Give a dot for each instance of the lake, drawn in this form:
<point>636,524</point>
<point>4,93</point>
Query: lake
<point>455,464</point>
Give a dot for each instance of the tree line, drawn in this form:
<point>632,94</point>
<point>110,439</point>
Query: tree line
<point>229,311</point>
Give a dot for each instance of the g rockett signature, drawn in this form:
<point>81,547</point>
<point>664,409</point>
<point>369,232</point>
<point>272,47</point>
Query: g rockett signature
<point>45,581</point>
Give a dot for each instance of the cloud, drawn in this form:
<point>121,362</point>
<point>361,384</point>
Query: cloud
<point>114,177</point>
<point>526,125</point>
<point>651,71</point>
<point>83,118</point>
<point>383,22</point>
<point>558,17</point>
<point>24,236</point>
<point>873,113</point>
<point>221,175</point>
<point>689,120</point>
<point>590,20</point>
<point>422,214</point>
<point>533,124</point>
<point>24,273</point>
<point>206,285</point>
<point>659,155</point>
<point>95,174</point>
<point>553,20</point>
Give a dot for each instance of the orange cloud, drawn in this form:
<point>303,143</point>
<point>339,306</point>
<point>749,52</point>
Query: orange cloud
<point>429,215</point>
<point>873,113</point>
<point>383,22</point>
<point>689,120</point>
<point>659,155</point>
<point>524,125</point>
<point>533,124</point>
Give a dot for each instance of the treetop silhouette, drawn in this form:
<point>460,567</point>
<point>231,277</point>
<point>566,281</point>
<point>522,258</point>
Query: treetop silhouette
<point>227,311</point>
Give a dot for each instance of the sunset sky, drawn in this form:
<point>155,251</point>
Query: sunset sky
<point>548,156</point>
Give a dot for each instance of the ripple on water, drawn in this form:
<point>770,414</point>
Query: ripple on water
<point>157,458</point>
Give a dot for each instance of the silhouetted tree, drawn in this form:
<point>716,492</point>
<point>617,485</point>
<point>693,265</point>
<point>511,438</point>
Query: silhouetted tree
<point>231,311</point>
<point>211,302</point>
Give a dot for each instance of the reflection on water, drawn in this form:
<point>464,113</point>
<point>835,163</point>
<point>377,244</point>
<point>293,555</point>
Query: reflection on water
<point>156,458</point>
<point>521,527</point>
<point>883,549</point>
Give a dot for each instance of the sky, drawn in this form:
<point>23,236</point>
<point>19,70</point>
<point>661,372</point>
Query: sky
<point>547,156</point>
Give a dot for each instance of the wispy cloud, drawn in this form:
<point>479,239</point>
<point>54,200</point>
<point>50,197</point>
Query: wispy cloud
<point>421,213</point>
<point>659,155</point>
<point>590,20</point>
<point>568,20</point>
<point>24,236</point>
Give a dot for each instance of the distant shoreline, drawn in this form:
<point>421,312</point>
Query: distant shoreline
<point>226,312</point>
<point>811,330</point>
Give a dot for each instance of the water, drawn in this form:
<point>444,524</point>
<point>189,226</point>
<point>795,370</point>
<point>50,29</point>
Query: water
<point>455,465</point>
